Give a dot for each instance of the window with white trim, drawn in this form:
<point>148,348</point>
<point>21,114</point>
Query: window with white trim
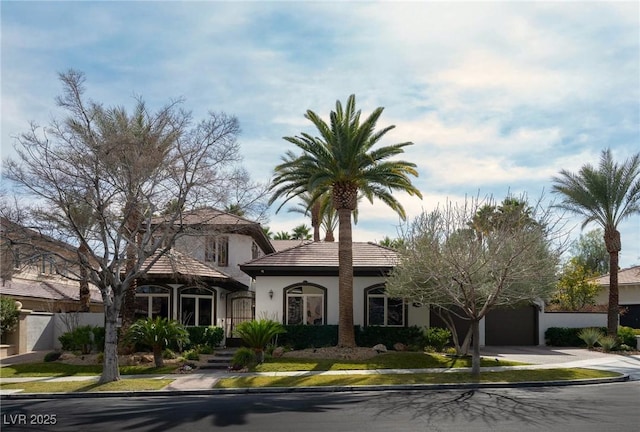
<point>216,250</point>
<point>151,302</point>
<point>305,305</point>
<point>383,310</point>
<point>197,307</point>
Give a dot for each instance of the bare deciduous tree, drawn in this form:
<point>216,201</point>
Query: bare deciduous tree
<point>121,170</point>
<point>448,264</point>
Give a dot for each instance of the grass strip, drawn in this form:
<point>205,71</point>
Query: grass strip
<point>401,360</point>
<point>134,384</point>
<point>400,379</point>
<point>56,369</point>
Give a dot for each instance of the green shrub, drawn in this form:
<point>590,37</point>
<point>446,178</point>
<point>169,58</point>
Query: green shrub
<point>191,355</point>
<point>437,337</point>
<point>80,339</point>
<point>566,337</point>
<point>156,333</point>
<point>243,358</point>
<point>307,336</point>
<point>202,335</point>
<point>388,336</point>
<point>168,354</point>
<point>627,335</point>
<point>590,336</point>
<point>204,349</point>
<point>258,333</point>
<point>52,356</point>
<point>98,338</point>
<point>607,343</point>
<point>9,315</point>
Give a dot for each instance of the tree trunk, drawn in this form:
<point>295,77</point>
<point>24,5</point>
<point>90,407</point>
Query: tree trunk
<point>157,355</point>
<point>85,294</point>
<point>315,221</point>
<point>475,359</point>
<point>612,241</point>
<point>110,370</point>
<point>346,334</point>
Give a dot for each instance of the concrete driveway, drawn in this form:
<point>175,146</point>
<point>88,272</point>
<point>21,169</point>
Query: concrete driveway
<point>567,357</point>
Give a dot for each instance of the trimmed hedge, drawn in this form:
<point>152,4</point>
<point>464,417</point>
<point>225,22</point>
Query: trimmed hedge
<point>566,336</point>
<point>307,336</point>
<point>84,339</point>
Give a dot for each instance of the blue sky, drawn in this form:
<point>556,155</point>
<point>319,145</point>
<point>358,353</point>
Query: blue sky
<point>496,97</point>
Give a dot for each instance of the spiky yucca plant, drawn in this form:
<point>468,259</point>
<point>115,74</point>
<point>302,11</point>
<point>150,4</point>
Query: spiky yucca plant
<point>258,333</point>
<point>590,336</point>
<point>157,333</point>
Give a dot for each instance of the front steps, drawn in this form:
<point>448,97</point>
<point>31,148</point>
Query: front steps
<point>221,359</point>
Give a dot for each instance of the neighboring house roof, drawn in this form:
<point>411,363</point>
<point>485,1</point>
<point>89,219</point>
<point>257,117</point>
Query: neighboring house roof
<point>628,276</point>
<point>178,266</point>
<point>281,245</point>
<point>321,258</point>
<point>223,222</point>
<point>47,290</point>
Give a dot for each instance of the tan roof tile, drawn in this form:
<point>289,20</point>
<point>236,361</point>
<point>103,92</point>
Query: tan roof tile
<point>322,257</point>
<point>628,276</point>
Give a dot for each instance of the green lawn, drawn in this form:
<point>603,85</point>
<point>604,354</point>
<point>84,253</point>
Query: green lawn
<point>400,379</point>
<point>136,384</point>
<point>56,369</point>
<point>395,360</point>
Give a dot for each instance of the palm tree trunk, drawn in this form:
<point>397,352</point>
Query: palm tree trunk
<point>346,335</point>
<point>315,221</point>
<point>612,241</point>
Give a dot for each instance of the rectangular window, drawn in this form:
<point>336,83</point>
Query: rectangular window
<point>188,311</point>
<point>216,250</point>
<point>210,248</point>
<point>204,311</point>
<point>294,310</point>
<point>223,251</point>
<point>376,311</point>
<point>48,265</point>
<point>255,251</point>
<point>159,307</point>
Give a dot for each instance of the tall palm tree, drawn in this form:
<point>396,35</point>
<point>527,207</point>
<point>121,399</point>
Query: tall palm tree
<point>605,195</point>
<point>342,161</point>
<point>301,232</point>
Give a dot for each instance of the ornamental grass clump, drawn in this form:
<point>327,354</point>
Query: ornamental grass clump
<point>607,343</point>
<point>590,336</point>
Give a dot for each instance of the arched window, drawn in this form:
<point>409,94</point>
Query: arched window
<point>383,310</point>
<point>197,306</point>
<point>305,304</point>
<point>152,301</point>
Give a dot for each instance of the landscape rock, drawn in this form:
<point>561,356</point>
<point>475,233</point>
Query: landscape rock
<point>399,346</point>
<point>380,348</point>
<point>278,352</point>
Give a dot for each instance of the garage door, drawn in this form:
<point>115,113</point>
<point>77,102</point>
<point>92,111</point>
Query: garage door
<point>518,326</point>
<point>631,316</point>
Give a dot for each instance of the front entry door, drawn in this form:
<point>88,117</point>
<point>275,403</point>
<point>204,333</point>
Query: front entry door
<point>242,309</point>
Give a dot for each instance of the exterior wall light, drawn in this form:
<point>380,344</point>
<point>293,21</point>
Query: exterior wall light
<point>270,294</point>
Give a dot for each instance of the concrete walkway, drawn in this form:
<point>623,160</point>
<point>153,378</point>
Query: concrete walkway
<point>537,357</point>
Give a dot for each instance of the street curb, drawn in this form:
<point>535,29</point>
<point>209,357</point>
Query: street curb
<point>317,389</point>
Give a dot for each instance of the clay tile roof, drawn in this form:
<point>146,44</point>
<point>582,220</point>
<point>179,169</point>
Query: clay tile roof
<point>175,263</point>
<point>47,290</point>
<point>315,258</point>
<point>628,276</point>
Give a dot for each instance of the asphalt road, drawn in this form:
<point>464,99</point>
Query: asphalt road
<point>603,407</point>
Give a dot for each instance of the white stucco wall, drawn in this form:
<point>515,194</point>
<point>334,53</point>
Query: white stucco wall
<point>239,253</point>
<point>629,294</point>
<point>273,308</point>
